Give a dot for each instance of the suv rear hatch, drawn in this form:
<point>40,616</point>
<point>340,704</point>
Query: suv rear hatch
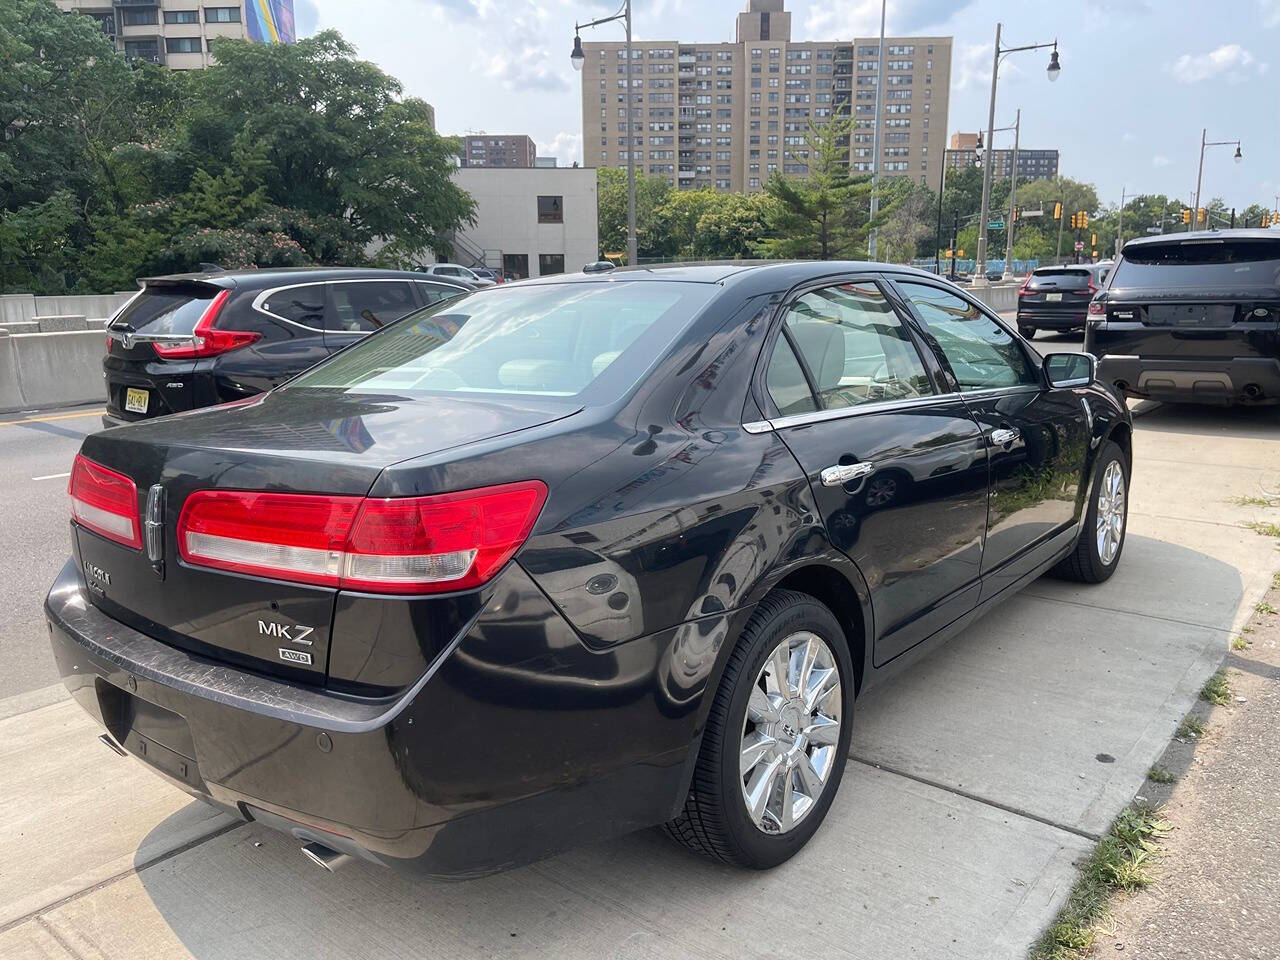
<point>1202,297</point>
<point>275,444</point>
<point>154,343</point>
<point>1057,290</point>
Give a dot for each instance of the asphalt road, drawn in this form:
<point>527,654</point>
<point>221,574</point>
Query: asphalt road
<point>36,450</point>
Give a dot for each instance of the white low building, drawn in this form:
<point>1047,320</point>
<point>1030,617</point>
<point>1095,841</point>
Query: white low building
<point>530,221</point>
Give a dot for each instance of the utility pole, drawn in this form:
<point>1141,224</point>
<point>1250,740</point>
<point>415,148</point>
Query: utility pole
<point>1120,226</point>
<point>955,239</point>
<point>1195,207</point>
<point>1013,200</point>
<point>875,140</point>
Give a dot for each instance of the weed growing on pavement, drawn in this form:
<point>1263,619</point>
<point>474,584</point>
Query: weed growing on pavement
<point>1252,501</point>
<point>1275,580</point>
<point>1217,689</point>
<point>1265,528</point>
<point>1239,643</point>
<point>1158,774</point>
<point>1121,861</point>
<point>1191,728</point>
<point>1265,607</point>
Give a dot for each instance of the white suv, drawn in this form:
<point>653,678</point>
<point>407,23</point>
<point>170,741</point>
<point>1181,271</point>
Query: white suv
<point>458,272</point>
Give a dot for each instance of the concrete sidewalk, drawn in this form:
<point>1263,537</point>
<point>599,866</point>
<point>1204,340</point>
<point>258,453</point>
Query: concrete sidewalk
<point>978,778</point>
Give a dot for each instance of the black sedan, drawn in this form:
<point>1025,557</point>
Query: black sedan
<point>577,556</point>
<point>197,339</point>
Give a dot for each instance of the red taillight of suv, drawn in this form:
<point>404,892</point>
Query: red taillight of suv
<point>1097,310</point>
<point>1023,290</point>
<point>105,502</point>
<point>401,545</point>
<point>206,339</point>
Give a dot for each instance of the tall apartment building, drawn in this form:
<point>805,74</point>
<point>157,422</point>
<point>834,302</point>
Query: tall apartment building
<point>1032,164</point>
<point>726,115</point>
<point>176,33</point>
<point>497,150</point>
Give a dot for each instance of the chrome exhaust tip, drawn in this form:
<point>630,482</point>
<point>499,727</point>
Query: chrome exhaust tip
<point>104,738</point>
<point>326,857</point>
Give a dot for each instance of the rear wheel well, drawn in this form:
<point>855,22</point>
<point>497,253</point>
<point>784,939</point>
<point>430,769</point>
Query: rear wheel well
<point>834,591</point>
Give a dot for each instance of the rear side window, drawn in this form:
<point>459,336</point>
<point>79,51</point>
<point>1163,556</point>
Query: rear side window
<point>1059,280</point>
<point>364,306</point>
<point>434,293</point>
<point>167,309</point>
<point>1209,262</point>
<point>546,340</point>
<point>303,304</point>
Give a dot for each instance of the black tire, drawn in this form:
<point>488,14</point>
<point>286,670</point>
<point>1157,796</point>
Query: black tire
<point>1084,564</point>
<point>1027,333</point>
<point>715,820</point>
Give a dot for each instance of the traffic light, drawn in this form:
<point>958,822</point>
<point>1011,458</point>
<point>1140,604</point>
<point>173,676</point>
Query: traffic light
<point>1201,215</point>
<point>1015,214</point>
<point>1084,219</point>
<point>1073,221</point>
<point>1266,220</point>
<point>1093,241</point>
<point>1186,214</point>
<point>1057,211</point>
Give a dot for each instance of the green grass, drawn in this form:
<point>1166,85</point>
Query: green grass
<point>1239,643</point>
<point>1264,607</point>
<point>1217,689</point>
<point>1275,580</point>
<point>1121,861</point>
<point>1191,728</point>
<point>1252,502</point>
<point>1158,774</point>
<point>1264,527</point>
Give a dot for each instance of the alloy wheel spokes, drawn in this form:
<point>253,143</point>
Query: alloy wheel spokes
<point>791,732</point>
<point>1111,512</point>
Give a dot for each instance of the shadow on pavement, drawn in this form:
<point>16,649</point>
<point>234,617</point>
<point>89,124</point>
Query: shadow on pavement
<point>1259,423</point>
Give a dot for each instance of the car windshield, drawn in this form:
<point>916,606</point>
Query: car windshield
<point>1059,279</point>
<point>550,340</point>
<point>1227,262</point>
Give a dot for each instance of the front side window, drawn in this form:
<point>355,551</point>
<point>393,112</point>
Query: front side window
<point>854,348</point>
<point>982,354</point>
<point>550,340</point>
<point>362,307</point>
<point>431,293</point>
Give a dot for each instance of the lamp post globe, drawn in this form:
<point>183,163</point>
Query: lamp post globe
<point>1239,156</point>
<point>1055,67</point>
<point>577,56</point>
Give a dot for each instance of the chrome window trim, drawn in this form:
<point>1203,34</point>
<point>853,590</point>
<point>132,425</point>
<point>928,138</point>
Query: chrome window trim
<point>261,298</point>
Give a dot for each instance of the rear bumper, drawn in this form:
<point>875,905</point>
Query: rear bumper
<point>494,758</point>
<point>1043,319</point>
<point>1241,380</point>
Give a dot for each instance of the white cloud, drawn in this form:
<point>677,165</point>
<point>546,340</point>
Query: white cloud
<point>971,65</point>
<point>1160,160</point>
<point>564,146</point>
<point>1230,61</point>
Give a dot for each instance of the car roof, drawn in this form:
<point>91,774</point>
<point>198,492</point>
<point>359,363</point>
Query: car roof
<point>1248,233</point>
<point>270,276</point>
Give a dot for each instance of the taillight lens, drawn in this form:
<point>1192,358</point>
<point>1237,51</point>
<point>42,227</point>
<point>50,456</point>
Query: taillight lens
<point>1097,309</point>
<point>404,545</point>
<point>206,339</point>
<point>105,502</point>
<point>1022,290</point>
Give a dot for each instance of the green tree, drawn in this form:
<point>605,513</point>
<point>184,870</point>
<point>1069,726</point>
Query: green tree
<point>732,227</point>
<point>611,211</point>
<point>819,216</point>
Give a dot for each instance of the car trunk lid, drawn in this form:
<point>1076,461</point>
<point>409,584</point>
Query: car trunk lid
<point>294,441</point>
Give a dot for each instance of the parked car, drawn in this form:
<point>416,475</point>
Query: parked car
<point>547,564</point>
<point>1057,298</point>
<point>599,266</point>
<point>1192,317</point>
<point>459,274</point>
<point>484,273</point>
<point>197,339</point>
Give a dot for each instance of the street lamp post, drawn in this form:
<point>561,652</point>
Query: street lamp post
<point>1007,273</point>
<point>1195,210</point>
<point>873,234</point>
<point>1052,71</point>
<point>576,58</point>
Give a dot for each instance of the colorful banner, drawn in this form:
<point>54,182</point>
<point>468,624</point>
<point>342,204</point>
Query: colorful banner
<point>270,21</point>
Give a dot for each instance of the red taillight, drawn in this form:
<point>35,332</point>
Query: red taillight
<point>451,541</point>
<point>206,339</point>
<point>105,502</point>
<point>1022,290</point>
<point>1097,308</point>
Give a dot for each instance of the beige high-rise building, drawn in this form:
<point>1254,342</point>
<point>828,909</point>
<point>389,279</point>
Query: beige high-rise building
<point>177,33</point>
<point>726,115</point>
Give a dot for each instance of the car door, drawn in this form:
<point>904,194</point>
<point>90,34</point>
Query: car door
<point>1037,437</point>
<point>898,472</point>
<point>356,308</point>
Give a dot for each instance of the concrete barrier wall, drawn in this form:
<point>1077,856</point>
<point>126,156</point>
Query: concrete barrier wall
<point>1001,299</point>
<point>24,306</point>
<point>50,369</point>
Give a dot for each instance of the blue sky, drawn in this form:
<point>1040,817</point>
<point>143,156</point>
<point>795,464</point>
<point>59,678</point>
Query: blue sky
<point>1140,78</point>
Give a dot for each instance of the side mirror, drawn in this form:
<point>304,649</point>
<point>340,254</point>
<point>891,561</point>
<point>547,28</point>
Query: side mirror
<point>1070,369</point>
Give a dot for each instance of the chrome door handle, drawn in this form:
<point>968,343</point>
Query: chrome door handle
<point>840,474</point>
<point>1004,436</point>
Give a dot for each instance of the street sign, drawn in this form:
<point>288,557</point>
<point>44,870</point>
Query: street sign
<point>1155,230</point>
<point>1032,213</point>
<point>1079,245</point>
<point>995,224</point>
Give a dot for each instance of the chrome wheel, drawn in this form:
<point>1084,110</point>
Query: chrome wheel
<point>790,733</point>
<point>1111,512</point>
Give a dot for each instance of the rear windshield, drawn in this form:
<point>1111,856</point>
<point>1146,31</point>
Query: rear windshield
<point>167,309</point>
<point>1201,263</point>
<point>553,340</point>
<point>1059,280</point>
